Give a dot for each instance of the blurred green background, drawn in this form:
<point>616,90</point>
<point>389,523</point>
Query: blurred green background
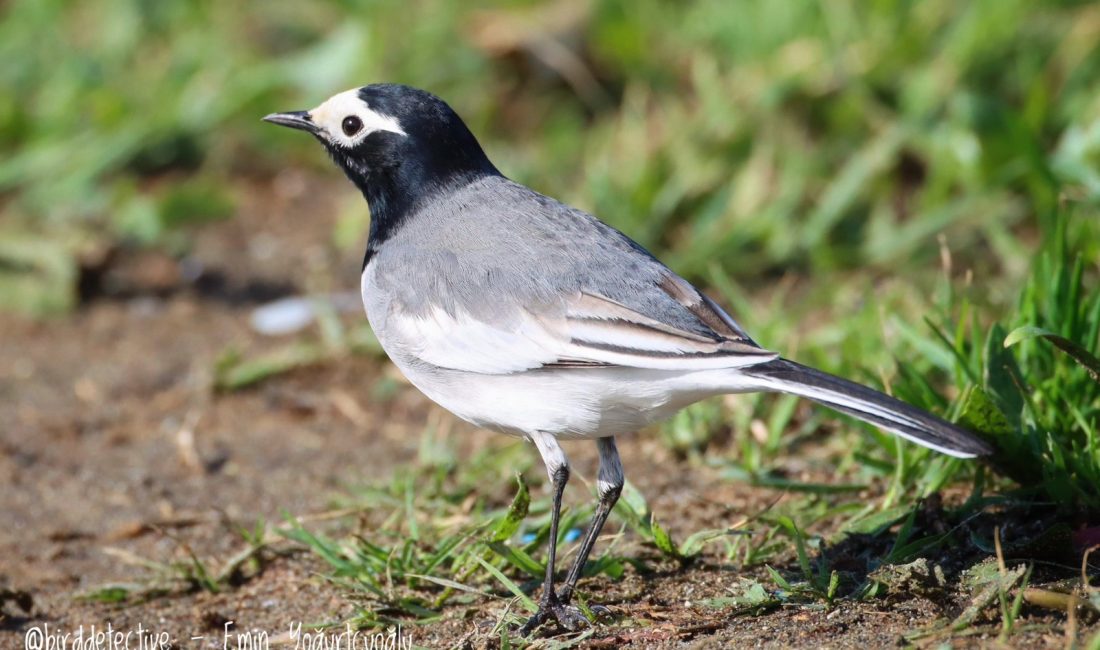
<point>903,192</point>
<point>753,137</point>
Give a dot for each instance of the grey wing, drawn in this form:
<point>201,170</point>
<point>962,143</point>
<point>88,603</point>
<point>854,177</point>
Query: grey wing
<point>629,293</point>
<point>542,285</point>
<point>606,332</point>
<point>588,331</point>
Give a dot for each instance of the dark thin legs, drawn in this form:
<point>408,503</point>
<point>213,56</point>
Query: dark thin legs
<point>550,605</point>
<point>610,487</point>
<point>553,604</point>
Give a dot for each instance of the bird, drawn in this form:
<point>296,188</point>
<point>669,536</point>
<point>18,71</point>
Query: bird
<point>523,315</point>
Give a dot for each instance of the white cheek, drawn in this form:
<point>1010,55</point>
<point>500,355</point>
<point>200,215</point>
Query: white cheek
<point>344,141</point>
<point>372,122</point>
<point>331,115</point>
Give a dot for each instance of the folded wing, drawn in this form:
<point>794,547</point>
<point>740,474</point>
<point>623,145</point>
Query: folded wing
<point>585,330</point>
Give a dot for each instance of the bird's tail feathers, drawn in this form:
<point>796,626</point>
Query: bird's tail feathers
<point>869,405</point>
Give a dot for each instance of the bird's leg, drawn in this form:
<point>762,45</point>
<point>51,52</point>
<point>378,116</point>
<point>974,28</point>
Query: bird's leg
<point>550,605</point>
<point>609,486</point>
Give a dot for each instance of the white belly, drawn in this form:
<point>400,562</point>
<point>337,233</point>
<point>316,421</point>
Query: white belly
<point>577,402</point>
<point>569,403</point>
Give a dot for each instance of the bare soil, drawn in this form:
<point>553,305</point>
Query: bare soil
<point>96,468</point>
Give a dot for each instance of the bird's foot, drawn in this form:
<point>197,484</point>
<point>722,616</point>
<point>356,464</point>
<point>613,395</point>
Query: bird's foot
<point>598,611</point>
<point>567,616</point>
<point>601,612</point>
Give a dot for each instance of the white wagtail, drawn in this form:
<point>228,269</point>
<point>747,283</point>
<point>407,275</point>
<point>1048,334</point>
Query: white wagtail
<point>523,315</point>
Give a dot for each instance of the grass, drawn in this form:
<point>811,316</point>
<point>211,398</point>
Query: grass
<point>902,193</point>
<point>1024,381</point>
<point>834,139</point>
<point>189,572</point>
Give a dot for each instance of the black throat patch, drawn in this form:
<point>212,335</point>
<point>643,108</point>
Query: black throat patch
<point>397,174</point>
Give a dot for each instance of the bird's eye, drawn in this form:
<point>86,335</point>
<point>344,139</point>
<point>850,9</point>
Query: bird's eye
<point>351,125</point>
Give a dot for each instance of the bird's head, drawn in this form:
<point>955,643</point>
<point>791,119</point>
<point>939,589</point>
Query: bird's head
<point>394,142</point>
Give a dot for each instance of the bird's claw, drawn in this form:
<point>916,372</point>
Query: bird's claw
<point>567,616</point>
<point>600,611</point>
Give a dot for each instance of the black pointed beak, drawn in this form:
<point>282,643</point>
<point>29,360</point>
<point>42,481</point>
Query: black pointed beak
<point>295,120</point>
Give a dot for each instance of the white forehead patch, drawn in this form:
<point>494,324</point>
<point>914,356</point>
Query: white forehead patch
<point>331,114</point>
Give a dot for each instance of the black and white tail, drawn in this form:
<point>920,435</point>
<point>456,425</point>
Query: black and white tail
<point>869,405</point>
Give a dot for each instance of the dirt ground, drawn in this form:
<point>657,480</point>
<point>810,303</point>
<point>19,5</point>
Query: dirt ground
<point>96,469</point>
